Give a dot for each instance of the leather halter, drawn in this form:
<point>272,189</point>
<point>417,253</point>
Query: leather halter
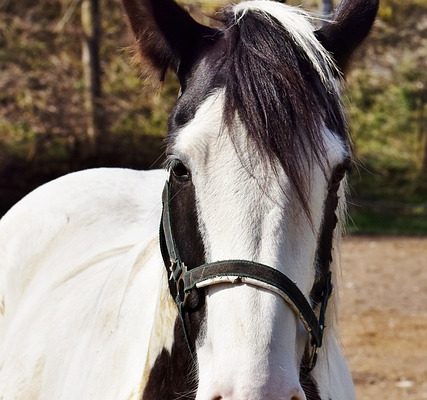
<point>184,281</point>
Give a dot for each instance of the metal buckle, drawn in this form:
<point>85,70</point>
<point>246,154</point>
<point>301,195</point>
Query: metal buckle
<point>177,270</point>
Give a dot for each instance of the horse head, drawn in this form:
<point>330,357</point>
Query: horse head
<point>256,141</point>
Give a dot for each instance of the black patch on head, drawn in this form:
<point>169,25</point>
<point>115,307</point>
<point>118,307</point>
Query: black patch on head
<point>189,243</point>
<point>197,83</point>
<point>174,375</point>
<point>184,222</point>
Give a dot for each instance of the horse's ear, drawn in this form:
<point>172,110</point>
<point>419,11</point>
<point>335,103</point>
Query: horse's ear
<point>351,23</point>
<point>166,34</point>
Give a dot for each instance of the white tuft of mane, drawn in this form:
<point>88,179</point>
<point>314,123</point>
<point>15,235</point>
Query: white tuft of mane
<point>301,28</point>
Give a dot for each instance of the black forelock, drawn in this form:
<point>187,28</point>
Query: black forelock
<point>274,89</point>
<point>279,96</point>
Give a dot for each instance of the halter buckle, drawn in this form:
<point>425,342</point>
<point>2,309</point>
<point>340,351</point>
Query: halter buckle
<point>177,271</point>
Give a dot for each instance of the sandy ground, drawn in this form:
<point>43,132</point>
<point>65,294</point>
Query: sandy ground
<point>383,316</point>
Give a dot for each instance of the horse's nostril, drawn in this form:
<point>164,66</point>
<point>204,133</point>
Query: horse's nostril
<point>217,398</point>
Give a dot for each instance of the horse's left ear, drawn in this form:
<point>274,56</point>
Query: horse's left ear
<point>352,21</point>
<point>166,34</point>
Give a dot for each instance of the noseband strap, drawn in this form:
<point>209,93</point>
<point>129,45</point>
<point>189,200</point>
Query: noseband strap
<point>184,281</point>
<point>254,274</point>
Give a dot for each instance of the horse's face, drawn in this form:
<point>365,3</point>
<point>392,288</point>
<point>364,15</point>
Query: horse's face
<point>257,130</point>
<point>249,342</point>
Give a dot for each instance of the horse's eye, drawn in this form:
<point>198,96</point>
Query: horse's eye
<point>180,171</point>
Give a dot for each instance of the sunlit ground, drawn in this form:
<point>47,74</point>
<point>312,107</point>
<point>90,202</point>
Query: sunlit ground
<point>384,316</point>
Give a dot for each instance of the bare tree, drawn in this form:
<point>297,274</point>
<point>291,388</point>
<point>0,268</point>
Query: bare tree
<point>91,24</point>
<point>422,127</point>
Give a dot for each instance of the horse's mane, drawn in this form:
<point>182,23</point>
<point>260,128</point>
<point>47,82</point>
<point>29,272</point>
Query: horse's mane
<point>283,85</point>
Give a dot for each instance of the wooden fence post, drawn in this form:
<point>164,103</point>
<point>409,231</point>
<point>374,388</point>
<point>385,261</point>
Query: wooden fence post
<point>327,8</point>
<point>91,24</point>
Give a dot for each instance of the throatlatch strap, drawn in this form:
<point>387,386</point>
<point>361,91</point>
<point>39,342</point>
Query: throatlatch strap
<point>167,226</point>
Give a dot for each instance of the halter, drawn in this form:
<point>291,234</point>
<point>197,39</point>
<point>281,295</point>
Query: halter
<point>183,281</point>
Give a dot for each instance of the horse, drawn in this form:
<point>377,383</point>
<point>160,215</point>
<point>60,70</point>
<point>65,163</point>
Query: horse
<point>232,298</point>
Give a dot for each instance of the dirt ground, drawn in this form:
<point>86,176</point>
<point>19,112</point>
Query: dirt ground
<point>383,316</point>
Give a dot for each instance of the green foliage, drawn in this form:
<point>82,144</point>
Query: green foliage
<point>387,93</point>
<point>385,125</point>
<point>387,223</point>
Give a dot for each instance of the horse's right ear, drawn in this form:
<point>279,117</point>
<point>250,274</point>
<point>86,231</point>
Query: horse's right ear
<point>166,34</point>
<point>351,23</point>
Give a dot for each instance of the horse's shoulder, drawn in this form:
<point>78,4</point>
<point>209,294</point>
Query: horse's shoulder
<point>105,186</point>
<point>81,197</point>
<point>89,211</point>
<point>79,267</point>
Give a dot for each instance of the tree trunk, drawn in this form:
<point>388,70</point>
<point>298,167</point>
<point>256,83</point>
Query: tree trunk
<point>424,164</point>
<point>327,8</point>
<point>91,24</point>
<point>422,177</point>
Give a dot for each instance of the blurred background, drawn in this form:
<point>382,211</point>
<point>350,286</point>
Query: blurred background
<point>71,98</point>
